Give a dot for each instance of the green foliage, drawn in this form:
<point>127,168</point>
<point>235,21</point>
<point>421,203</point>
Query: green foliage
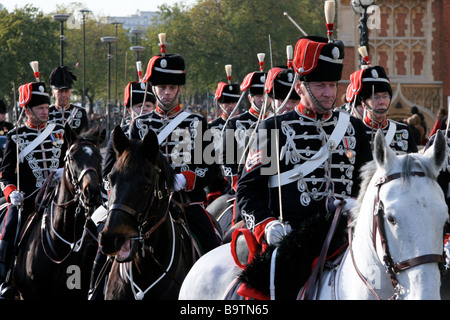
<point>209,35</point>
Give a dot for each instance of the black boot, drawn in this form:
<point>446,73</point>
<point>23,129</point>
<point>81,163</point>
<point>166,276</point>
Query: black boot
<point>99,272</point>
<point>6,256</point>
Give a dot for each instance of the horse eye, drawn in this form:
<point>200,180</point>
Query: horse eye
<point>392,221</point>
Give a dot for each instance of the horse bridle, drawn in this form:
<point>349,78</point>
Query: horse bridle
<point>378,228</point>
<point>73,184</point>
<point>153,200</point>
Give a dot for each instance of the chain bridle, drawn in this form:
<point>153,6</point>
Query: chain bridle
<point>392,268</point>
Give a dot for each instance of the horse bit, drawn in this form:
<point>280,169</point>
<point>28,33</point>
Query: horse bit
<point>378,226</point>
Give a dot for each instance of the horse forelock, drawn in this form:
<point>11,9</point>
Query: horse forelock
<point>407,164</point>
<point>134,162</point>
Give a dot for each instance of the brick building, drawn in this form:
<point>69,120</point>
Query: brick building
<point>410,41</point>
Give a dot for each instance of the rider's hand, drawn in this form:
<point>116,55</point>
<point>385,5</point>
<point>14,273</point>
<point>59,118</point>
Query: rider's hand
<point>349,204</point>
<point>275,231</point>
<point>58,174</point>
<point>180,182</point>
<point>16,198</point>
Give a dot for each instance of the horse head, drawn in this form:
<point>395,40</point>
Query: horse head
<point>398,223</point>
<point>139,194</point>
<point>83,160</point>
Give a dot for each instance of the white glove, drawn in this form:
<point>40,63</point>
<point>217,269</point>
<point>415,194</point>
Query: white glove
<point>275,232</point>
<point>16,198</point>
<point>349,204</point>
<point>180,182</point>
<point>58,174</point>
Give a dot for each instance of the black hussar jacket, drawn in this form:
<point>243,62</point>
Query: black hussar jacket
<point>400,138</point>
<point>303,136</point>
<point>235,138</point>
<point>76,116</point>
<point>184,146</point>
<point>37,164</point>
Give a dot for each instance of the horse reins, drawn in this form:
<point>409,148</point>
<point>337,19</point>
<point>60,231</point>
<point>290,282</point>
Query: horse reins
<point>378,228</point>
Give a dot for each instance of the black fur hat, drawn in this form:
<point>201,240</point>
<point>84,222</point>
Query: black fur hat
<point>167,69</point>
<point>61,78</point>
<point>317,59</point>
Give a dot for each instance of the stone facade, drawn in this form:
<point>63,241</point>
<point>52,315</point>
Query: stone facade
<point>408,39</point>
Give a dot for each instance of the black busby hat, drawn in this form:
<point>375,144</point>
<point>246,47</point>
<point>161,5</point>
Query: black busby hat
<point>135,93</point>
<point>166,69</point>
<point>2,107</point>
<point>279,83</point>
<point>255,82</point>
<point>33,94</point>
<point>318,59</point>
<point>227,92</point>
<point>61,78</point>
<point>374,79</point>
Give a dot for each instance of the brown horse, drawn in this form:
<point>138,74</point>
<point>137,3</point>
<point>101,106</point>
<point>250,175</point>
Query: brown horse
<point>55,256</point>
<point>149,238</point>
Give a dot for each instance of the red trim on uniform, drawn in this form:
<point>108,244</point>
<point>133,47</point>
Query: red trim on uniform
<point>310,113</point>
<point>260,229</point>
<point>368,122</point>
<point>190,180</point>
<point>246,291</point>
<point>234,181</point>
<point>9,188</point>
<point>171,113</point>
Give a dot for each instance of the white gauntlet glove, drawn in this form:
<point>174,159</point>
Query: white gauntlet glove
<point>180,182</point>
<point>349,204</point>
<point>275,231</point>
<point>58,174</point>
<point>16,198</point>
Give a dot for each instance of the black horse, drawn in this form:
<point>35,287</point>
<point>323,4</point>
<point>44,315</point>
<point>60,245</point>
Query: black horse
<point>149,238</point>
<point>56,253</point>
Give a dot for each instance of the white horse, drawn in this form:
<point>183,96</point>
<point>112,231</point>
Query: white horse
<point>398,223</point>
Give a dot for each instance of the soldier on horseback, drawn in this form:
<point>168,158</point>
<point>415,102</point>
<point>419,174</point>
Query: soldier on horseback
<point>33,151</point>
<point>321,151</point>
<point>62,112</point>
<point>370,87</point>
<point>178,136</point>
<point>227,96</point>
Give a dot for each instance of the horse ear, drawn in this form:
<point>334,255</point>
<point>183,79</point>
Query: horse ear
<point>120,140</point>
<point>151,146</point>
<point>438,152</point>
<point>69,134</point>
<point>383,154</point>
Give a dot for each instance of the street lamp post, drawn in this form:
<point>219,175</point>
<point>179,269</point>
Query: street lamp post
<point>137,49</point>
<point>360,7</point>
<point>83,99</point>
<point>108,41</point>
<point>61,18</point>
<point>116,24</point>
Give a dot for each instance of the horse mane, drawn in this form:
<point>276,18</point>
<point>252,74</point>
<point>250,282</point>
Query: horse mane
<point>91,135</point>
<point>409,163</point>
<point>131,160</point>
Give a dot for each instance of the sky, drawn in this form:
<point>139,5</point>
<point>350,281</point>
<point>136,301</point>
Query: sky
<point>98,7</point>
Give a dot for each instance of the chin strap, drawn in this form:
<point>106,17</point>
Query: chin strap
<point>315,101</point>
